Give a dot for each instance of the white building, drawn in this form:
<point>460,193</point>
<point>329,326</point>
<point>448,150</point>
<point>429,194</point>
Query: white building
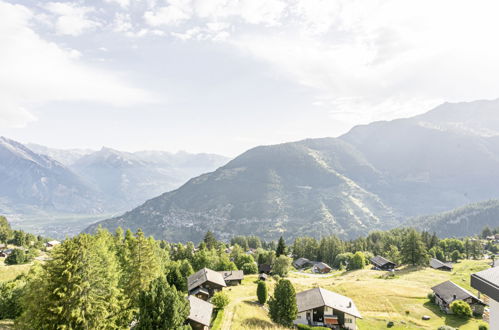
<point>487,282</point>
<point>320,307</point>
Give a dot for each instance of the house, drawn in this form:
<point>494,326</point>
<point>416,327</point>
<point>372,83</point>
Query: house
<point>51,244</point>
<point>264,269</point>
<point>321,267</point>
<point>204,283</point>
<point>232,277</point>
<point>5,253</point>
<point>448,291</point>
<point>200,314</point>
<point>487,283</point>
<point>262,277</point>
<point>302,263</point>
<point>382,264</point>
<point>320,307</point>
<point>437,264</point>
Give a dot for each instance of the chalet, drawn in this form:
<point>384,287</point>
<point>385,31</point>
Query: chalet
<point>5,253</point>
<point>204,283</point>
<point>51,244</point>
<point>321,267</point>
<point>448,291</point>
<point>263,277</point>
<point>382,264</point>
<point>437,264</point>
<point>302,263</point>
<point>264,269</point>
<point>232,277</point>
<point>200,314</point>
<point>320,307</point>
<point>487,282</point>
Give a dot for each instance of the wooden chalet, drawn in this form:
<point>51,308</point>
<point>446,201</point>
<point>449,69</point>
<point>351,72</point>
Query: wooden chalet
<point>264,269</point>
<point>487,282</point>
<point>381,263</point>
<point>204,283</point>
<point>320,307</point>
<point>200,313</point>
<point>448,291</point>
<point>232,277</point>
<point>321,267</point>
<point>437,264</point>
<point>302,263</point>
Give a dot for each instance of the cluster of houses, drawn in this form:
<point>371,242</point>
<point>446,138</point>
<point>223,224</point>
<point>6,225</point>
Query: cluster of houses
<point>317,266</point>
<point>201,286</point>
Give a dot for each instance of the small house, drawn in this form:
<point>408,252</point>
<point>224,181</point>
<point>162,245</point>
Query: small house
<point>51,244</point>
<point>321,267</point>
<point>263,277</point>
<point>232,277</point>
<point>6,253</point>
<point>264,269</point>
<point>320,307</point>
<point>204,283</point>
<point>448,291</point>
<point>437,264</point>
<point>302,263</point>
<point>381,263</point>
<point>200,313</point>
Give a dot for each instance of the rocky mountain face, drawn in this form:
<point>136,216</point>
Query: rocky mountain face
<point>373,177</point>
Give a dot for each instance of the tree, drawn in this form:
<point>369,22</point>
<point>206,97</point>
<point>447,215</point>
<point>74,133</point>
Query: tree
<point>282,266</point>
<point>5,230</point>
<point>358,261</point>
<point>413,249</point>
<point>210,240</point>
<point>242,259</point>
<point>393,253</point>
<point>262,292</point>
<point>461,308</point>
<point>10,298</point>
<point>220,300</point>
<point>186,268</point>
<point>17,257</point>
<point>162,307</point>
<point>76,289</point>
<point>282,306</point>
<point>175,278</point>
<point>281,247</point>
<point>250,268</point>
<point>455,256</point>
<point>486,232</point>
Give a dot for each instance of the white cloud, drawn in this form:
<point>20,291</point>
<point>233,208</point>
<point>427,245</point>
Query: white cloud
<point>34,71</point>
<point>176,12</point>
<point>122,3</point>
<point>72,19</point>
<point>122,22</point>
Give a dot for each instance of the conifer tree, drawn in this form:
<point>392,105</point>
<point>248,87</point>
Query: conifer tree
<point>282,306</point>
<point>281,247</point>
<point>210,240</point>
<point>5,230</point>
<point>261,292</point>
<point>175,277</point>
<point>413,249</point>
<point>162,307</point>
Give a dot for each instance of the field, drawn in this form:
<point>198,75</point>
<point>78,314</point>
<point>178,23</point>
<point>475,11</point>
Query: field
<point>401,299</point>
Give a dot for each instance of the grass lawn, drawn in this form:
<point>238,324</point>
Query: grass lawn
<point>401,299</point>
<point>8,273</point>
<point>6,325</point>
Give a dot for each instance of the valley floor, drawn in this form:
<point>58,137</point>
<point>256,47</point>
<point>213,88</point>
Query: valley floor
<point>402,299</point>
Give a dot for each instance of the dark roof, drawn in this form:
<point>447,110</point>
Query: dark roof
<point>319,297</point>
<point>264,276</point>
<point>380,261</point>
<point>200,290</point>
<point>204,275</point>
<point>449,291</point>
<point>322,265</point>
<point>232,275</point>
<point>265,268</point>
<point>435,263</point>
<point>300,262</point>
<point>487,282</point>
<point>200,311</point>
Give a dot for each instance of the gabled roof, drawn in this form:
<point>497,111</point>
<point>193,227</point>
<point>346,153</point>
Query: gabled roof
<point>487,282</point>
<point>322,265</point>
<point>264,268</point>
<point>319,297</point>
<point>449,291</point>
<point>200,311</point>
<point>204,275</point>
<point>380,261</point>
<point>232,275</point>
<point>300,262</point>
<point>435,263</point>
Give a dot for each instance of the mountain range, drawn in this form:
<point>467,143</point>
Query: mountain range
<point>374,177</point>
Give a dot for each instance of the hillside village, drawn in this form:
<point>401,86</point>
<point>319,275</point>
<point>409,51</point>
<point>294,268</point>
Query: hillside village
<point>368,283</point>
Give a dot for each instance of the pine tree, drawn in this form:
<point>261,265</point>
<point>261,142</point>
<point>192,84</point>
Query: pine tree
<point>77,288</point>
<point>282,306</point>
<point>210,240</point>
<point>175,277</point>
<point>281,247</point>
<point>262,292</point>
<point>162,307</point>
<point>413,249</point>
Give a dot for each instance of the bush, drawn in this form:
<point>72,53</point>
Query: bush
<point>10,303</point>
<point>282,266</point>
<point>220,300</point>
<point>250,268</point>
<point>431,296</point>
<point>483,327</point>
<point>17,257</point>
<point>261,292</point>
<point>461,308</point>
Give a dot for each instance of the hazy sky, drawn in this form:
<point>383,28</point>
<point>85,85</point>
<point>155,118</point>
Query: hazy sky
<point>226,75</point>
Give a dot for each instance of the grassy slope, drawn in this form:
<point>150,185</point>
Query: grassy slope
<point>379,300</point>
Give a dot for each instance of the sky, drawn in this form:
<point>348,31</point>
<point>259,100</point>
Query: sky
<point>223,76</point>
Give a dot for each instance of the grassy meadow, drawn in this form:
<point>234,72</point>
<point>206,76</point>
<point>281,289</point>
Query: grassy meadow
<point>402,299</point>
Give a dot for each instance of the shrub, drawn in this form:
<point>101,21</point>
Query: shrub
<point>431,296</point>
<point>282,266</point>
<point>10,303</point>
<point>250,268</point>
<point>261,292</point>
<point>220,300</point>
<point>17,257</point>
<point>483,327</point>
<point>461,308</point>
